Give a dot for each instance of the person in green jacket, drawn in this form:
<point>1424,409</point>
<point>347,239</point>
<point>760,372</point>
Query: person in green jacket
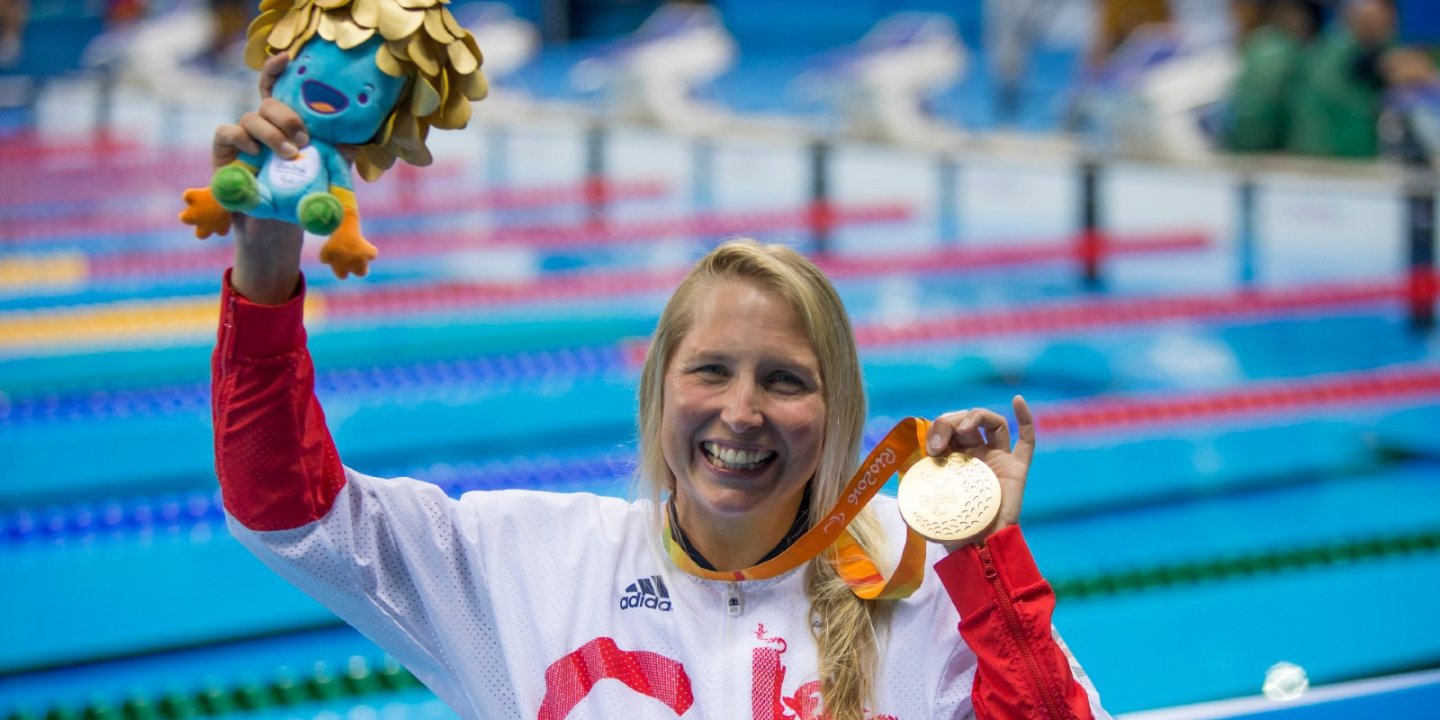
<point>1273,36</point>
<point>1339,87</point>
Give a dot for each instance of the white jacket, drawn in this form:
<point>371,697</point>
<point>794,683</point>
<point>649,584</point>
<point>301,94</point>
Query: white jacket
<point>523,604</point>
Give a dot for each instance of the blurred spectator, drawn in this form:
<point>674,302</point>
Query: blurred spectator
<point>232,17</point>
<point>1342,80</point>
<point>1119,19</point>
<point>1407,67</point>
<point>119,13</point>
<point>1272,37</point>
<point>13,16</point>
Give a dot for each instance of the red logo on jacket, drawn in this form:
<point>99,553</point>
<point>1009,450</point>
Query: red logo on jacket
<point>569,679</point>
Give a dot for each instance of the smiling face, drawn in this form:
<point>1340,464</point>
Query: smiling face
<point>342,96</point>
<point>743,416</point>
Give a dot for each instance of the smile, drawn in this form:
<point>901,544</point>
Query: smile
<point>736,460</point>
<point>322,98</point>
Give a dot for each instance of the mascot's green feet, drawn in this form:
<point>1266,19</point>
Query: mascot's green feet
<point>320,213</point>
<point>235,188</point>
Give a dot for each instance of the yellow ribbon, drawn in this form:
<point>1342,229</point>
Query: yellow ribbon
<point>902,447</point>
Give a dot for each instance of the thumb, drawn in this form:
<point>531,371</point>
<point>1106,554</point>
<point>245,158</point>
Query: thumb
<point>271,71</point>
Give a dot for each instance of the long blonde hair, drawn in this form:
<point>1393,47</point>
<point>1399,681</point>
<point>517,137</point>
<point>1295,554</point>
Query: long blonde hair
<point>846,635</point>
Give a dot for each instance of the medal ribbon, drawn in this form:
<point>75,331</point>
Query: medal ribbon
<point>902,447</point>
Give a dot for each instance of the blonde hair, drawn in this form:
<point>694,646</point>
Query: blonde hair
<point>846,636</point>
<point>422,41</point>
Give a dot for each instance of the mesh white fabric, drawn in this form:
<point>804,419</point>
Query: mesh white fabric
<point>480,597</point>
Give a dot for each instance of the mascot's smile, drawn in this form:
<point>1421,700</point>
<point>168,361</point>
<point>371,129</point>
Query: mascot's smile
<point>322,98</point>
<point>346,95</point>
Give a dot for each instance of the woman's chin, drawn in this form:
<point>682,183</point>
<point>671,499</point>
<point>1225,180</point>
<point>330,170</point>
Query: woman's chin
<point>733,502</point>
<point>739,503</point>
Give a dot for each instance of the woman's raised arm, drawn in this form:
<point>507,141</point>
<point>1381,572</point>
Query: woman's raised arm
<point>267,252</point>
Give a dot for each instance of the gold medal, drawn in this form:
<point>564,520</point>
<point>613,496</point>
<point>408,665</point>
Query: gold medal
<point>949,499</point>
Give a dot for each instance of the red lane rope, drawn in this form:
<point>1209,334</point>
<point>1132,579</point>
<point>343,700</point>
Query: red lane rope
<point>571,286</point>
<point>86,182</point>
<point>132,264</point>
<point>1259,398</point>
<point>30,147</point>
<point>1015,253</point>
<point>38,231</point>
<point>1423,285</point>
<point>600,233</point>
<point>154,163</point>
<point>397,203</point>
<point>426,201</point>
<point>1075,316</point>
<point>141,182</point>
<point>457,295</point>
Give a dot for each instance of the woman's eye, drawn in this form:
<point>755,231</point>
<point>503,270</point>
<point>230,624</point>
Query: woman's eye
<point>787,381</point>
<point>711,371</point>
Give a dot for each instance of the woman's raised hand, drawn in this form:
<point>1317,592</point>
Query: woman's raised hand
<point>984,435</point>
<point>267,252</point>
<point>273,124</point>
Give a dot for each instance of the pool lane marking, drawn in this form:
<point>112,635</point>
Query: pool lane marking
<point>422,199</point>
<point>181,317</point>
<point>124,322</point>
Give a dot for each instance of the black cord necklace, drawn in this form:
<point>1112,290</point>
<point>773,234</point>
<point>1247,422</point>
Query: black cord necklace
<point>797,528</point>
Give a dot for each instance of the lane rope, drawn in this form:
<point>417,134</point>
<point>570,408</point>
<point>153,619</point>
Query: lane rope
<point>1400,386</point>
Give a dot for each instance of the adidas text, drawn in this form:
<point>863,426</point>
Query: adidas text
<point>646,593</point>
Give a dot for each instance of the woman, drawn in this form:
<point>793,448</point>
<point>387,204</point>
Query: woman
<point>524,604</point>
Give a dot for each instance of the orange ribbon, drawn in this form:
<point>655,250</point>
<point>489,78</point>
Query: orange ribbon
<point>902,447</point>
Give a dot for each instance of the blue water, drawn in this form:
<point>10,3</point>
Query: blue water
<point>120,577</point>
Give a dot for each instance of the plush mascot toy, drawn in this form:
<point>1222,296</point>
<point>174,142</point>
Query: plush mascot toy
<point>376,74</point>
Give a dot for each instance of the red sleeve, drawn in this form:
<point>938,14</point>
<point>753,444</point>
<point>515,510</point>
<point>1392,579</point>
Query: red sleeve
<point>1005,608</point>
<point>277,465</point>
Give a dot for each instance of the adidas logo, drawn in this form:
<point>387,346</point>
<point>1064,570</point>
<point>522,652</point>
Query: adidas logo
<point>646,593</point>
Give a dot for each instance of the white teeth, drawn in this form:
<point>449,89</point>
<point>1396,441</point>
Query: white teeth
<point>732,459</point>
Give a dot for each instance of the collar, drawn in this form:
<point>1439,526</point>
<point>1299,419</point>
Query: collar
<point>797,528</point>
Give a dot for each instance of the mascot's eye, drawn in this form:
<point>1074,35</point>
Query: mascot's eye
<point>300,70</point>
<point>364,98</point>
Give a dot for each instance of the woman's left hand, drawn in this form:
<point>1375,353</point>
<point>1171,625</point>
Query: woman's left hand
<point>985,435</point>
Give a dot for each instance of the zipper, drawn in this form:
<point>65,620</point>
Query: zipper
<point>227,333</point>
<point>219,395</point>
<point>732,655</point>
<point>1012,621</point>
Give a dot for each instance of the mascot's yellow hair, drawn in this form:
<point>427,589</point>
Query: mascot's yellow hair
<point>422,41</point>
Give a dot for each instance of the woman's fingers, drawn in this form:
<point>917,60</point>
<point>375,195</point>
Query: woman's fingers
<point>941,430</point>
<point>268,134</point>
<point>981,428</point>
<point>985,435</point>
<point>270,72</point>
<point>229,142</point>
<point>997,430</point>
<point>274,124</point>
<point>1025,424</point>
<point>286,119</point>
<point>969,429</point>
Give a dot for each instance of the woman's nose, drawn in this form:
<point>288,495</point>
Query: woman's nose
<point>741,411</point>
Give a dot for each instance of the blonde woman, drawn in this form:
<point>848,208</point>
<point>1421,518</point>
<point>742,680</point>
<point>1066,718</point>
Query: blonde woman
<point>694,601</point>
